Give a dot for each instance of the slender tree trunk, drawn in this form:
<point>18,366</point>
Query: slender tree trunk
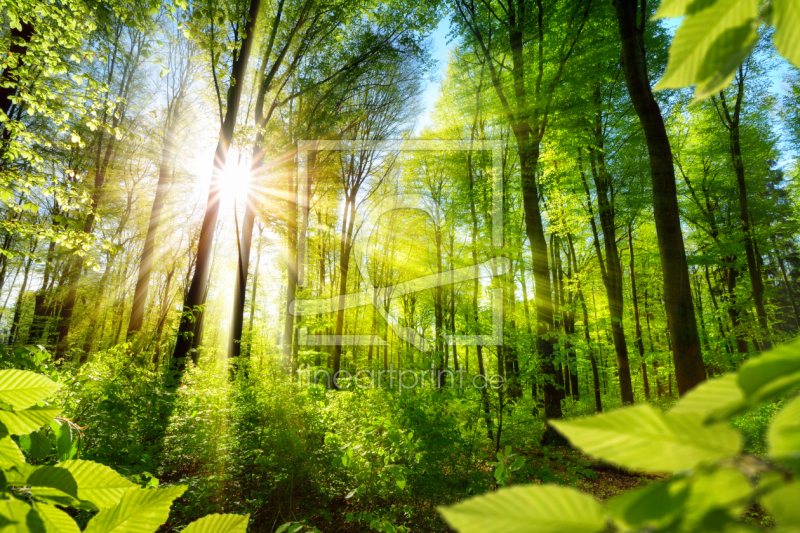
<point>168,153</point>
<point>687,353</point>
<point>732,122</point>
<point>254,294</point>
<point>789,291</point>
<point>12,335</point>
<point>613,274</point>
<point>638,324</point>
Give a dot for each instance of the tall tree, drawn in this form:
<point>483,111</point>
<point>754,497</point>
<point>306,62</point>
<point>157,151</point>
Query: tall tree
<point>632,16</point>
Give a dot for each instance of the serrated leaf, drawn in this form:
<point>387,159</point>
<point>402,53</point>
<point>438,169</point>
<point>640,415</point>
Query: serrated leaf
<point>786,19</point>
<point>219,523</point>
<point>783,435</point>
<point>55,520</point>
<point>711,399</point>
<point>27,420</point>
<point>782,505</point>
<point>709,46</point>
<point>138,511</point>
<point>529,508</point>
<point>22,389</point>
<point>10,453</point>
<point>642,437</point>
<point>97,484</point>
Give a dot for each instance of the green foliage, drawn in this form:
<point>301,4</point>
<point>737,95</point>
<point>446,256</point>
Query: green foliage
<point>717,35</point>
<point>712,483</point>
<point>507,464</point>
<point>545,509</point>
<point>28,500</point>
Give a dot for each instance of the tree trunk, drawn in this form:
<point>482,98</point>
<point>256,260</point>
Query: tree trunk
<point>732,122</point>
<point>168,154</point>
<point>686,341</point>
<point>638,324</point>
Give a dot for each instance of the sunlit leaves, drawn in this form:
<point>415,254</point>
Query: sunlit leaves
<point>22,389</point>
<point>55,520</point>
<point>644,438</point>
<point>709,46</point>
<point>531,508</point>
<point>784,434</point>
<point>98,485</point>
<point>782,504</point>
<point>219,523</point>
<point>711,399</point>
<point>717,35</point>
<point>10,454</point>
<point>772,374</point>
<point>139,511</point>
<point>27,420</point>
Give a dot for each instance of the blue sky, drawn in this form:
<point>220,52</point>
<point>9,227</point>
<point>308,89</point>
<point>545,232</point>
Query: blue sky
<point>431,92</point>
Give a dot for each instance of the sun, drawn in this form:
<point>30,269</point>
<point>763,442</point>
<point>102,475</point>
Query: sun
<point>236,179</point>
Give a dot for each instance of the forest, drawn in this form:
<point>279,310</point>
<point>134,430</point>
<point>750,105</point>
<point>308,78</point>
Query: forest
<point>458,265</point>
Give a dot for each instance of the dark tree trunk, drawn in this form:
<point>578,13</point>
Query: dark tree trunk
<point>677,290</point>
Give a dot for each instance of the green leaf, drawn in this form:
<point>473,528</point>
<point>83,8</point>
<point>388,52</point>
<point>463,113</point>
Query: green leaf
<point>97,484</point>
<point>529,508</point>
<point>786,19</point>
<point>42,476</point>
<point>715,498</point>
<point>18,517</point>
<point>687,503</point>
<point>10,454</point>
<point>28,420</point>
<point>643,437</point>
<point>654,507</point>
<point>139,511</point>
<point>782,505</point>
<point>678,8</point>
<point>22,389</point>
<point>219,523</point>
<point>55,520</point>
<point>771,374</point>
<point>783,435</point>
<point>710,45</point>
<point>36,444</point>
<point>712,399</point>
<point>66,442</point>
